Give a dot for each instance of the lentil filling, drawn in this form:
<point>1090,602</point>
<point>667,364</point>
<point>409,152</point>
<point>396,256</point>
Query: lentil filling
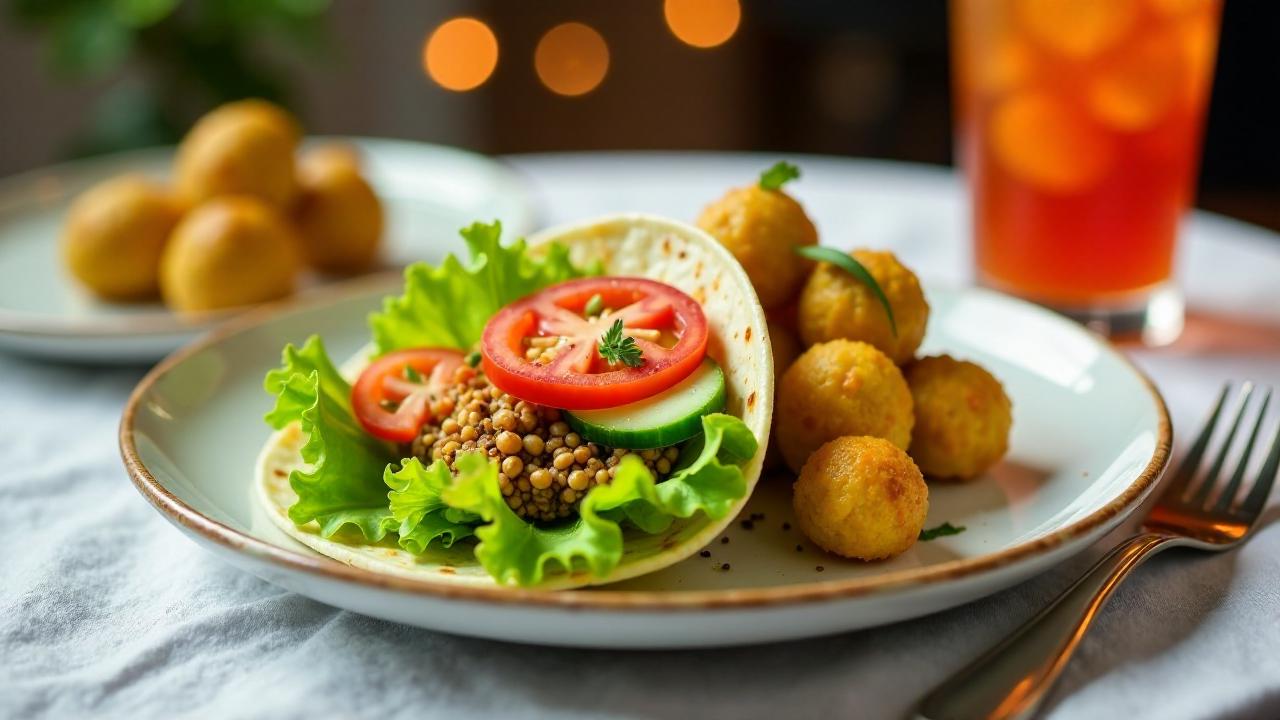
<point>545,469</point>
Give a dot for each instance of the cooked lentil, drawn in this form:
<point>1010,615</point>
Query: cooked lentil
<point>545,469</point>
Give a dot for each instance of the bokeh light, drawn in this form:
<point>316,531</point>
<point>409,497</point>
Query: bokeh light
<point>702,23</point>
<point>460,54</point>
<point>571,59</point>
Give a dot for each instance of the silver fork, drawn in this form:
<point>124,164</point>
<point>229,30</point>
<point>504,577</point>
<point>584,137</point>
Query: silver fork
<point>1193,510</point>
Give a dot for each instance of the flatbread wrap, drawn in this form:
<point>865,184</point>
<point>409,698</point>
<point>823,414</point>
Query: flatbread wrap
<point>581,408</point>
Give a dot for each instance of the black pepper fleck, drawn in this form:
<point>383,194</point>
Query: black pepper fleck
<point>705,553</point>
<point>724,540</point>
<point>747,525</point>
<point>819,568</point>
<point>757,516</point>
<point>786,526</point>
<point>724,566</point>
<point>799,548</point>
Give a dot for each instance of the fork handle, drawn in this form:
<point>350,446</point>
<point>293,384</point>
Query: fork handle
<point>1012,678</point>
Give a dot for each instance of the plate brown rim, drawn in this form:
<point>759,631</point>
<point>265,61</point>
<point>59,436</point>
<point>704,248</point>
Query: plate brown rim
<point>184,516</point>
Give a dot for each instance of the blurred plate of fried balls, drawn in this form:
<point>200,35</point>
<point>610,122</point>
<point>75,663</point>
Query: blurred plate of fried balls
<point>246,215</point>
<point>858,417</point>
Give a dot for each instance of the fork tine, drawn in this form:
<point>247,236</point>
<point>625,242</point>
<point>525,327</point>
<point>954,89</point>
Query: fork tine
<point>1211,477</point>
<point>1191,461</point>
<point>1229,492</point>
<point>1252,505</point>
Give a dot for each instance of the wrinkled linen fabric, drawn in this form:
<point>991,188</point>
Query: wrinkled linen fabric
<point>108,611</point>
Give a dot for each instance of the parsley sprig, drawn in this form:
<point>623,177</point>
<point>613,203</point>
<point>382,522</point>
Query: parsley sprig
<point>617,348</point>
<point>942,530</point>
<point>780,174</point>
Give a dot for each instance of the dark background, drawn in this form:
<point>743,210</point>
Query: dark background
<point>857,78</point>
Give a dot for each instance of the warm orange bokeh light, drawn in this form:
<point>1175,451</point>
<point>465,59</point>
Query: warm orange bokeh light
<point>460,54</point>
<point>702,23</point>
<point>571,59</point>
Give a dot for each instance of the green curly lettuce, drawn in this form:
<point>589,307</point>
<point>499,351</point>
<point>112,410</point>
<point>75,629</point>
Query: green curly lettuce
<point>353,479</point>
<point>422,516</point>
<point>344,485</point>
<point>516,552</point>
<point>448,305</point>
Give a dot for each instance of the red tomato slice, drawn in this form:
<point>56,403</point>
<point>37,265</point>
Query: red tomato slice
<point>578,378</point>
<point>391,405</point>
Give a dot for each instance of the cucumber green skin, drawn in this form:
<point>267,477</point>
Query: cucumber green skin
<point>649,437</point>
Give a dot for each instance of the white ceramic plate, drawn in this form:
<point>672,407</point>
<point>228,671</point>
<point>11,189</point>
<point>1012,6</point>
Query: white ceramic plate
<point>1090,437</point>
<point>428,192</point>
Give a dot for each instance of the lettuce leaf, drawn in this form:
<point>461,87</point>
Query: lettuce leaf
<point>421,515</point>
<point>516,552</point>
<point>351,471</point>
<point>448,305</point>
<point>344,485</point>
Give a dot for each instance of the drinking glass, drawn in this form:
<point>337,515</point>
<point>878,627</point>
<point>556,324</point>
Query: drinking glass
<point>1078,125</point>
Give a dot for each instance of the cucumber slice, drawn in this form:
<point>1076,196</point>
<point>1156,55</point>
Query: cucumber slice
<point>672,416</point>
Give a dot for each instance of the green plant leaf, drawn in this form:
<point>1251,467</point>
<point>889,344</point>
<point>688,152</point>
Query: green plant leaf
<point>850,265</point>
<point>780,174</point>
<point>420,512</point>
<point>517,552</point>
<point>942,530</point>
<point>449,304</point>
<point>88,40</point>
<point>344,483</point>
<point>143,13</point>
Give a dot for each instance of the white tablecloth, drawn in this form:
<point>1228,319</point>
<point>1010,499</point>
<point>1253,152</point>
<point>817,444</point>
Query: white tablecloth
<point>105,610</point>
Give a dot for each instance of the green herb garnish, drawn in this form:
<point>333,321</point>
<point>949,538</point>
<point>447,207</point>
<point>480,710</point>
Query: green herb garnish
<point>594,306</point>
<point>411,374</point>
<point>780,174</point>
<point>618,348</point>
<point>854,268</point>
<point>942,530</point>
<point>472,358</point>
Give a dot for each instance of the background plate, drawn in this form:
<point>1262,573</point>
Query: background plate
<point>1090,437</point>
<point>428,192</point>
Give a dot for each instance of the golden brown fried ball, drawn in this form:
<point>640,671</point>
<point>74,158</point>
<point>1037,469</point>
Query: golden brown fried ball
<point>785,350</point>
<point>840,388</point>
<point>339,218</point>
<point>230,251</point>
<point>761,228</point>
<point>861,497</point>
<point>317,160</point>
<point>962,418</point>
<point>834,304</point>
<point>114,236</point>
<point>250,110</point>
<point>242,149</point>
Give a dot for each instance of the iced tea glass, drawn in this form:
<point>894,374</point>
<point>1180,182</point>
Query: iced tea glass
<point>1079,127</point>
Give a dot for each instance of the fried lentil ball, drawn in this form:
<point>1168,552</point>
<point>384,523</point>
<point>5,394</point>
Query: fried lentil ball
<point>834,304</point>
<point>761,228</point>
<point>545,469</point>
<point>250,110</point>
<point>861,497</point>
<point>962,417</point>
<point>840,388</point>
<point>115,234</point>
<point>243,148</point>
<point>338,217</point>
<point>785,349</point>
<point>228,252</point>
<point>322,158</point>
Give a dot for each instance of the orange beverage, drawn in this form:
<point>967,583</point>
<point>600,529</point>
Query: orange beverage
<point>1079,125</point>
